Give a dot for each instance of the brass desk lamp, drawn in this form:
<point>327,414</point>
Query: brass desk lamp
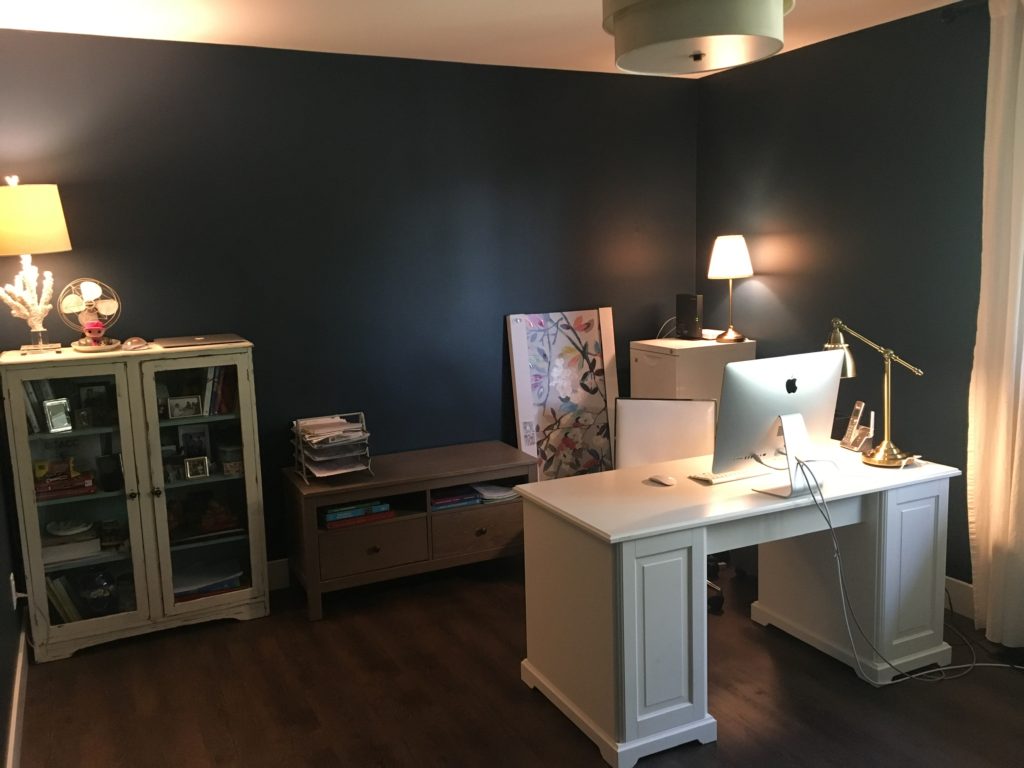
<point>885,454</point>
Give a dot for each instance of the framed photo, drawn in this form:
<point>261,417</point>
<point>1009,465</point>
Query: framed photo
<point>92,396</point>
<point>58,414</point>
<point>197,467</point>
<point>194,440</point>
<point>182,407</point>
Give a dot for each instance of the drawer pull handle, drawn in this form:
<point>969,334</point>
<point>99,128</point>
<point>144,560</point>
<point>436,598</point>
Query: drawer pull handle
<point>374,550</point>
<point>480,532</point>
<point>133,495</point>
<point>157,492</point>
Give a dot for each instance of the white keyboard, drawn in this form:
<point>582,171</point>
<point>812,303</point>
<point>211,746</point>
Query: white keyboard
<point>714,478</point>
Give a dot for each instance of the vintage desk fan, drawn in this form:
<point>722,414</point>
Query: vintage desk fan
<point>91,308</point>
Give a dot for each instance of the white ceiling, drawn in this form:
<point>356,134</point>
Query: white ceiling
<point>552,34</point>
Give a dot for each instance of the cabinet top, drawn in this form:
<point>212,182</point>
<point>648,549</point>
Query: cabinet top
<point>673,346</point>
<point>455,463</point>
<point>69,355</point>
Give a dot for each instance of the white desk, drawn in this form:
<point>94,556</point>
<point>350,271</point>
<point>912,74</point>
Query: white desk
<point>616,610</point>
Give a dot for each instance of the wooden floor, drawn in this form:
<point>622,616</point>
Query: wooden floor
<point>425,672</point>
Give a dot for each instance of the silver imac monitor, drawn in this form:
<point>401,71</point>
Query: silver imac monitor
<point>756,392</point>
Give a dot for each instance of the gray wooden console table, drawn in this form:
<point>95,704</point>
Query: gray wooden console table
<point>418,538</point>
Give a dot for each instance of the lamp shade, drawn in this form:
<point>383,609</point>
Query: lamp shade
<point>729,258</point>
<point>682,37</point>
<point>32,220</point>
<point>836,340</point>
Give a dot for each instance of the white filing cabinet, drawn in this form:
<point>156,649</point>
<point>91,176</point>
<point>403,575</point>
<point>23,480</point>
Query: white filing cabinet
<point>683,368</point>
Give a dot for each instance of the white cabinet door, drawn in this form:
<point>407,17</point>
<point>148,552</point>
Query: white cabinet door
<point>664,622</point>
<point>204,481</point>
<point>911,578</point>
<point>76,483</point>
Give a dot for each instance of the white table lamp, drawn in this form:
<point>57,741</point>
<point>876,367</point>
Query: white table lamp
<point>730,259</point>
<point>31,221</point>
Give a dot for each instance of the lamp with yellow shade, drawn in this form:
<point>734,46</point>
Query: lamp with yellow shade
<point>31,221</point>
<point>730,259</point>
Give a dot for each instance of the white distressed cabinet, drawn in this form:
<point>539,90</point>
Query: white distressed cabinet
<point>137,482</point>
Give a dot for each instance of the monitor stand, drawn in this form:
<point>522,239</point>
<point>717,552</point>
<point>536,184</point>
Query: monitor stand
<point>798,445</point>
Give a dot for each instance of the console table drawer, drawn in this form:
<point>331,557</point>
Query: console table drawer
<point>359,549</point>
<point>474,529</point>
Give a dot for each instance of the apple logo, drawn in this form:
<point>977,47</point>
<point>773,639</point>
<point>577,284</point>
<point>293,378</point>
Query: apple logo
<point>791,386</point>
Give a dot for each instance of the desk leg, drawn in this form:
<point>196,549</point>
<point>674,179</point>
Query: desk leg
<point>616,635</point>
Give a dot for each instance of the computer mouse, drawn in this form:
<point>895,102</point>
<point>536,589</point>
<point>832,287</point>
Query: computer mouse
<point>135,342</point>
<point>662,479</point>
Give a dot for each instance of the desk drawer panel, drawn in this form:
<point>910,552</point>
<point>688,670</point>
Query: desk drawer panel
<point>369,548</point>
<point>479,528</point>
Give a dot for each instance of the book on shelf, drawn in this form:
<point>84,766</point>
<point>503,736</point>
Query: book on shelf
<point>355,510</point>
<point>62,482</point>
<point>31,407</point>
<point>59,589</point>
<point>211,373</point>
<point>58,549</point>
<point>457,496</point>
<point>358,520</point>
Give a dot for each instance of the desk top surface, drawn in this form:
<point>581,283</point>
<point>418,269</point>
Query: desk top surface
<point>624,504</point>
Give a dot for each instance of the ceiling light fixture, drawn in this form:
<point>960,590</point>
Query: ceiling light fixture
<point>685,37</point>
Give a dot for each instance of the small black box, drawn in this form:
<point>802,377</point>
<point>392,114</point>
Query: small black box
<point>689,316</point>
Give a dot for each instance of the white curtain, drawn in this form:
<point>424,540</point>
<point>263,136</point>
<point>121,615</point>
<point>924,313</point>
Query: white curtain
<point>995,442</point>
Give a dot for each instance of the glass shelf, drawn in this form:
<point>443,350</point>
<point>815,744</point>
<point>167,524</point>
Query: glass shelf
<point>178,484</point>
<point>81,497</point>
<point>198,420</point>
<point>71,434</point>
<point>83,562</point>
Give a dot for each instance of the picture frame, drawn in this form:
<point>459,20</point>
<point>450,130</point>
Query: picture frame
<point>58,414</point>
<point>184,407</point>
<point>194,440</point>
<point>563,382</point>
<point>198,466</point>
<point>93,395</point>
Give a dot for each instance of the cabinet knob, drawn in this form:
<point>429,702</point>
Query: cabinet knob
<point>133,495</point>
<point>157,492</point>
<point>480,532</point>
<point>374,550</point>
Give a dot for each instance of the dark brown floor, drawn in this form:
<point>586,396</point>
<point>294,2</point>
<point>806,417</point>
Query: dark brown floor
<point>425,672</point>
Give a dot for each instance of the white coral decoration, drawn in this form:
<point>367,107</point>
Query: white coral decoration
<point>22,297</point>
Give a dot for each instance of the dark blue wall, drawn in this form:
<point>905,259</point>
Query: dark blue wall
<point>854,168</point>
<point>367,223</point>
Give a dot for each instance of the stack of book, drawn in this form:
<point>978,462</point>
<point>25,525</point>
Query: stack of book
<point>331,445</point>
<point>354,514</point>
<point>456,496</point>
<point>60,549</point>
<point>61,486</point>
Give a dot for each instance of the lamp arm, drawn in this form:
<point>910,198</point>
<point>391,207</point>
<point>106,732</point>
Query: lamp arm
<point>887,353</point>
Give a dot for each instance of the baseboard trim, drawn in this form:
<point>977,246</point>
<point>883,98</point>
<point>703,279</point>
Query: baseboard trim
<point>14,728</point>
<point>277,574</point>
<point>961,595</point>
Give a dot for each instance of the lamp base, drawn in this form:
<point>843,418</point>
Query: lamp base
<point>885,454</point>
<point>730,335</point>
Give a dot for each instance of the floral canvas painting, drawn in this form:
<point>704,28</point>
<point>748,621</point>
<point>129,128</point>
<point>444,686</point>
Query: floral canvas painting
<point>563,366</point>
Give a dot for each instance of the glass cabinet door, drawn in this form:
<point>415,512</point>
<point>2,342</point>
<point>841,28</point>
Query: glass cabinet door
<point>81,478</point>
<point>203,510</point>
